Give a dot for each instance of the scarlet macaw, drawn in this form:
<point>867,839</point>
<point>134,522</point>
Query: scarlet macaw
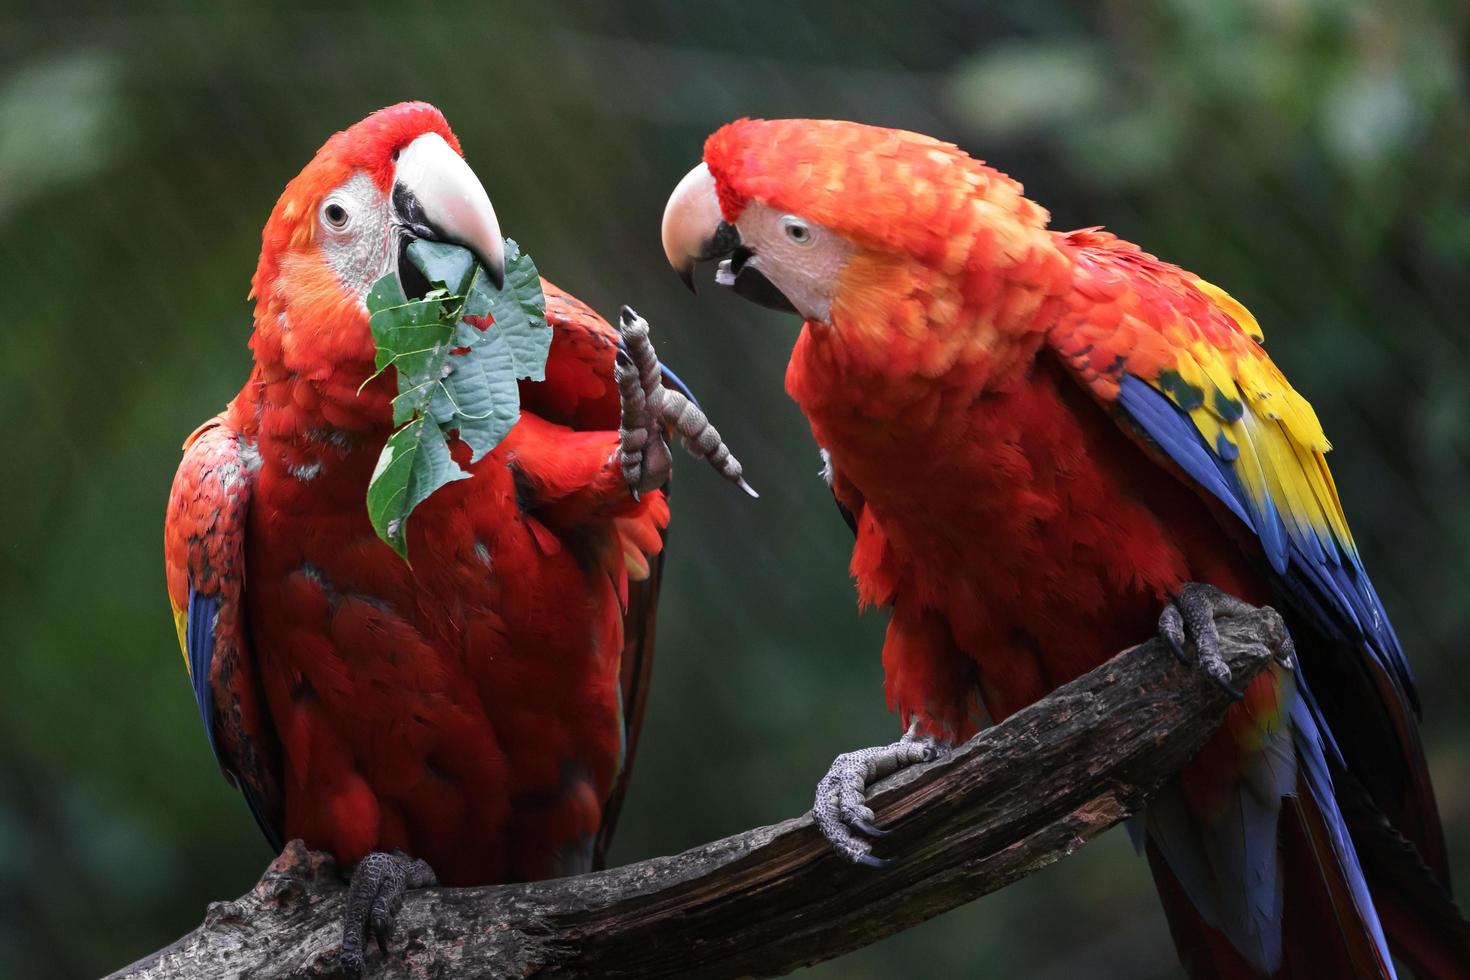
<point>473,716</point>
<point>1042,440</point>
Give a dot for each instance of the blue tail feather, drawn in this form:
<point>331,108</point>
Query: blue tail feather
<point>1227,862</point>
<point>1307,728</point>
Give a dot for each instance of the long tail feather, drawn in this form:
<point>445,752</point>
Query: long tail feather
<point>1322,934</point>
<point>1261,878</point>
<point>1425,928</point>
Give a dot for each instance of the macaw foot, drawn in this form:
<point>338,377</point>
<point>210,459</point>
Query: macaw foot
<point>650,409</point>
<point>373,899</point>
<point>1189,620</point>
<point>841,808</point>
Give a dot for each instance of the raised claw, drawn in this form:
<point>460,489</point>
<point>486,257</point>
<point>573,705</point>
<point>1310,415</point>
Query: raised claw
<point>643,456</point>
<point>655,407</point>
<point>700,438</point>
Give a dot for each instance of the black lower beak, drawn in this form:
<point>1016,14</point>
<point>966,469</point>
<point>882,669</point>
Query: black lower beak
<point>736,272</point>
<point>724,241</point>
<point>413,224</point>
<point>410,279</point>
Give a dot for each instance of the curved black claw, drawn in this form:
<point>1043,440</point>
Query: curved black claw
<point>373,899</point>
<point>882,864</point>
<point>868,828</point>
<point>841,808</point>
<point>1189,620</point>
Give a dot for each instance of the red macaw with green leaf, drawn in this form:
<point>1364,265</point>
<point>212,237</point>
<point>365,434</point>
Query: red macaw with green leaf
<point>1050,445</point>
<point>473,715</point>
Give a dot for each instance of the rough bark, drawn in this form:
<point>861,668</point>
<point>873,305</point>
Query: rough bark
<point>1014,799</point>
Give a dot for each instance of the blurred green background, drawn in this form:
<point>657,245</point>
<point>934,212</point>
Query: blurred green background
<point>1312,156</point>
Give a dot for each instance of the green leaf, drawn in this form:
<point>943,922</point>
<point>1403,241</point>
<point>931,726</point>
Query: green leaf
<point>518,311</point>
<point>412,335</point>
<point>414,463</point>
<point>444,265</point>
<point>482,389</point>
<point>455,377</point>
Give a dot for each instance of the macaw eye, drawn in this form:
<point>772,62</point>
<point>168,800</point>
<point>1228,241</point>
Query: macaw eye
<point>796,229</point>
<point>335,215</point>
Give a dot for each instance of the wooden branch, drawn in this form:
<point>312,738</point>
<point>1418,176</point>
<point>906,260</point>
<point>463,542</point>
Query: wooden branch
<point>1014,799</point>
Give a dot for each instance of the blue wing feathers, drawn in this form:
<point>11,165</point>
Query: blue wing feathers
<point>1228,867</point>
<point>207,515</point>
<point>199,638</point>
<point>1325,575</point>
<point>1183,444</point>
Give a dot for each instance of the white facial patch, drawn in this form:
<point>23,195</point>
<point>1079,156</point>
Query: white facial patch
<point>355,228</point>
<point>800,258</point>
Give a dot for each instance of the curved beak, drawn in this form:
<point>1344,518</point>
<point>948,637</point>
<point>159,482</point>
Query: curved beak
<point>438,197</point>
<point>693,230</point>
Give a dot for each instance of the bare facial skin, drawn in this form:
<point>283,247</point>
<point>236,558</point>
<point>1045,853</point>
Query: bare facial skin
<point>800,258</point>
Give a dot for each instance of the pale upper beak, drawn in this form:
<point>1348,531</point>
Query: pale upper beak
<point>438,197</point>
<point>694,230</point>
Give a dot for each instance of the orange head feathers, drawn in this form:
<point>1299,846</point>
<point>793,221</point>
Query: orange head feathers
<point>887,189</point>
<point>344,222</point>
<point>906,252</point>
<point>371,147</point>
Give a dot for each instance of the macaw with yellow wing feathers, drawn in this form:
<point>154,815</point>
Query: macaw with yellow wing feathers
<point>472,716</point>
<point>1051,445</point>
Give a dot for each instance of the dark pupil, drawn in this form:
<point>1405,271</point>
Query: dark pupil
<point>798,233</point>
<point>335,214</point>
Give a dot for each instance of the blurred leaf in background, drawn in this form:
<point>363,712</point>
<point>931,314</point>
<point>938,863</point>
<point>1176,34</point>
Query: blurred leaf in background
<point>62,120</point>
<point>1310,156</point>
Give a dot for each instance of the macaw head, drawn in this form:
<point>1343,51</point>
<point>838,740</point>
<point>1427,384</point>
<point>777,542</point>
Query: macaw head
<point>836,220</point>
<point>345,220</point>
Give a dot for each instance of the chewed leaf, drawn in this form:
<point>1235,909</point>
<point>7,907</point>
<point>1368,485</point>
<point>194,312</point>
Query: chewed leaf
<point>518,311</point>
<point>457,352</point>
<point>482,389</point>
<point>446,266</point>
<point>414,463</point>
